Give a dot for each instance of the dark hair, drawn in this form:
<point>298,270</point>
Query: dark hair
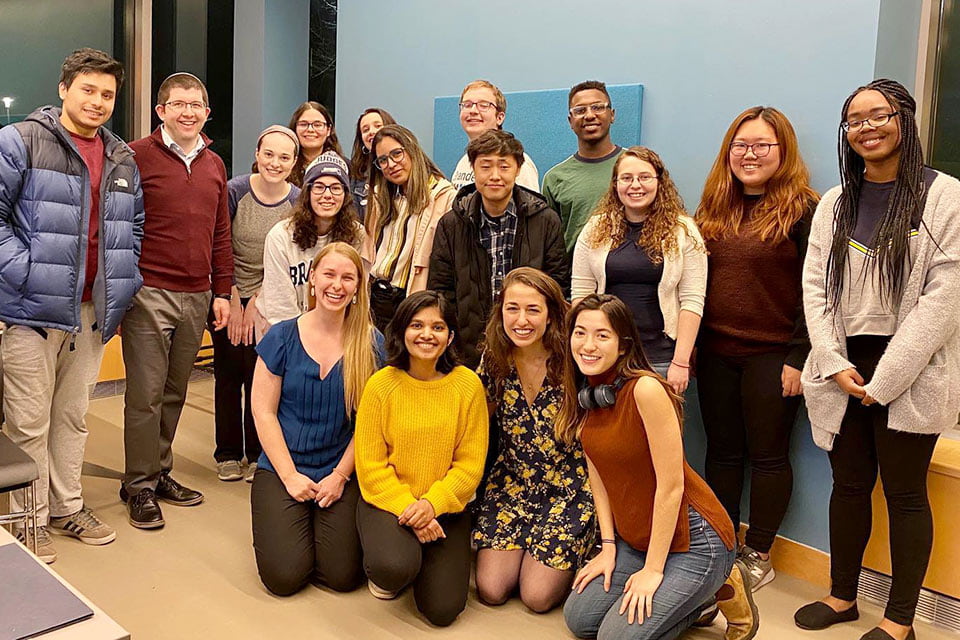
<point>346,227</point>
<point>361,159</point>
<point>586,86</point>
<point>181,80</point>
<point>330,144</point>
<point>632,362</point>
<point>904,209</point>
<point>397,355</point>
<point>89,60</point>
<point>495,142</point>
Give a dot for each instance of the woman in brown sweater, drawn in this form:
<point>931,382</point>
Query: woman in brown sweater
<point>665,536</point>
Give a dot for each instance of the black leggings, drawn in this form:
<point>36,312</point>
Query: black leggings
<point>233,367</point>
<point>864,444</point>
<point>746,416</point>
<point>439,571</point>
<point>298,542</point>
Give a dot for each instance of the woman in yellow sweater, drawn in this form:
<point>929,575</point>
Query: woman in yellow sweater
<point>421,441</point>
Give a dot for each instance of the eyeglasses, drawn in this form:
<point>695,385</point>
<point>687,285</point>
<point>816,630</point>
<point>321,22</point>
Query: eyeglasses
<point>482,105</point>
<point>874,121</point>
<point>627,179</point>
<point>596,109</point>
<point>180,105</point>
<point>306,126</point>
<point>318,189</point>
<point>760,149</point>
<point>396,155</point>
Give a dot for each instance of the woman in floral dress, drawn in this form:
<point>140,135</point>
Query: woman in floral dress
<point>535,522</point>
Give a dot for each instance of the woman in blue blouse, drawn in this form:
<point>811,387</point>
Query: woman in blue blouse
<point>307,384</point>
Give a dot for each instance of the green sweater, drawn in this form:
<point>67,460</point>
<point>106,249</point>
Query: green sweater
<point>574,187</point>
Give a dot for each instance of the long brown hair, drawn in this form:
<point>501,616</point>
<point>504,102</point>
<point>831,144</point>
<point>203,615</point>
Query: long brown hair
<point>346,226</point>
<point>632,362</point>
<point>417,189</point>
<point>658,235</point>
<point>330,144</point>
<point>787,195</point>
<point>498,348</point>
<point>359,360</point>
<point>361,158</point>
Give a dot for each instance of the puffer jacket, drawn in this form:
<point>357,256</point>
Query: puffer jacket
<point>45,222</point>
<point>460,266</point>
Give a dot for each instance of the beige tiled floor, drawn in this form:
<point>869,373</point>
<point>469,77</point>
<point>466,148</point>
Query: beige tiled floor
<point>196,578</point>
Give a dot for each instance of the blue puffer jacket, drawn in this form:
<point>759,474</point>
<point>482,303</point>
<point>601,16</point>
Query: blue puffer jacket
<point>45,221</point>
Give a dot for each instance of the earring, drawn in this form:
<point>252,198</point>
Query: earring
<point>354,301</point>
<point>312,293</point>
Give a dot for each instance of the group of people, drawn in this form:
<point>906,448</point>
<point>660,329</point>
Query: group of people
<point>409,368</point>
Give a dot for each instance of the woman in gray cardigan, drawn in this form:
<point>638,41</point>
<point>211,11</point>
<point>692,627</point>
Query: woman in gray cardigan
<point>881,289</point>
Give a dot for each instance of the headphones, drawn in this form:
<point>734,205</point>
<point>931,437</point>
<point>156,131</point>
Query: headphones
<point>602,396</point>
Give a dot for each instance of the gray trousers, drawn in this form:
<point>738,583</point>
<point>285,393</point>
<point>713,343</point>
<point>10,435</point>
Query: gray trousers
<point>161,336</point>
<point>46,391</point>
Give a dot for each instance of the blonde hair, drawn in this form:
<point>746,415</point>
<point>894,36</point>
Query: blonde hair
<point>359,360</point>
<point>486,84</point>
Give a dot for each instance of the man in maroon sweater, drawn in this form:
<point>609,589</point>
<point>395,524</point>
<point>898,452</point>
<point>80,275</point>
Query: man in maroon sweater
<point>186,257</point>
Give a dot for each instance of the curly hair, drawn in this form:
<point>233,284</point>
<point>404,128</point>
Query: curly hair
<point>346,226</point>
<point>658,236</point>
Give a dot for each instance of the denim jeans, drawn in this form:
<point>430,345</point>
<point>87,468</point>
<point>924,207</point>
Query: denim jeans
<point>690,579</point>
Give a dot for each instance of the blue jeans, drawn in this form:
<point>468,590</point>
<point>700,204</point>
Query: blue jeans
<point>690,579</point>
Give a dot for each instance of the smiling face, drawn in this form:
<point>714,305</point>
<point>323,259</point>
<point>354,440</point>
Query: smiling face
<point>275,157</point>
<point>875,145</point>
<point>475,121</point>
<point>525,316</point>
<point>594,344</point>
<point>495,176</point>
<point>335,281</point>
<point>88,102</point>
<point>591,127</point>
<point>325,204</point>
<point>427,336</point>
<point>184,125</point>
<point>312,129</point>
<point>636,186</point>
<point>751,170</point>
<point>396,171</point>
<point>369,125</point>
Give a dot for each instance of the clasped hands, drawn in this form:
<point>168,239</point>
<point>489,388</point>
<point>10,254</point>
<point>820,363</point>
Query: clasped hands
<point>852,383</point>
<point>325,493</point>
<point>422,519</point>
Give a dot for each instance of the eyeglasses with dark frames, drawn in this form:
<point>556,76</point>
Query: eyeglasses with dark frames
<point>318,189</point>
<point>760,149</point>
<point>874,121</point>
<point>396,155</point>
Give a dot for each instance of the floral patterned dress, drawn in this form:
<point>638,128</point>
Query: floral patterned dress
<point>537,497</point>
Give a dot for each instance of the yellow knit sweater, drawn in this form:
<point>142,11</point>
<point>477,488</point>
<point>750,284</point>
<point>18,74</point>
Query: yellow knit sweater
<point>417,439</point>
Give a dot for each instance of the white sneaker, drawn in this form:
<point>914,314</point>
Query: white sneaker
<point>381,594</point>
<point>251,470</point>
<point>229,470</point>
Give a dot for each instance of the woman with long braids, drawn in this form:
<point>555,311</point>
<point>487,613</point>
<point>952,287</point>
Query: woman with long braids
<point>755,218</point>
<point>881,290</point>
<point>369,122</point>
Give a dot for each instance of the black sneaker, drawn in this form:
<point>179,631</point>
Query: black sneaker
<point>143,511</point>
<point>169,490</point>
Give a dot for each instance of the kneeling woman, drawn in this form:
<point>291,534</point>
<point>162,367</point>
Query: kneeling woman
<point>535,523</point>
<point>306,385</point>
<point>421,445</point>
<point>668,544</point>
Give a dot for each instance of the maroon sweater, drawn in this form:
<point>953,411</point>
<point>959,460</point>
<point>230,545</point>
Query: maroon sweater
<point>186,230</point>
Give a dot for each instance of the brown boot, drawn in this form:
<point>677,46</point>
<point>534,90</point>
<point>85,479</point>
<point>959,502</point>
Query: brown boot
<point>735,599</point>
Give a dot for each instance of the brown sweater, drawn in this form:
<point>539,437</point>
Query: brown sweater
<point>753,301</point>
<point>615,440</point>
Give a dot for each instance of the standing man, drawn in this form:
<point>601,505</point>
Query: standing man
<point>483,108</point>
<point>574,186</point>
<point>71,221</point>
<point>187,257</point>
<point>493,227</point>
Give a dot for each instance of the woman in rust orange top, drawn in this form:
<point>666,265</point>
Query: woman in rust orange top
<point>668,544</point>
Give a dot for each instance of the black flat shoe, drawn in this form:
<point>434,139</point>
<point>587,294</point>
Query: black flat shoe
<point>879,634</point>
<point>169,490</point>
<point>143,511</point>
<point>819,615</point>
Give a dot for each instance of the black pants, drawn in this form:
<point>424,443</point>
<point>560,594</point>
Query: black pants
<point>439,571</point>
<point>233,366</point>
<point>746,417</point>
<point>298,542</point>
<point>864,444</point>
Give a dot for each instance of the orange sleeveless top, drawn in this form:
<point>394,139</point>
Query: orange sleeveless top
<point>615,440</point>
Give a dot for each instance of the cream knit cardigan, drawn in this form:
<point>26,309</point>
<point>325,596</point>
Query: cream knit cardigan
<point>682,286</point>
<point>918,376</point>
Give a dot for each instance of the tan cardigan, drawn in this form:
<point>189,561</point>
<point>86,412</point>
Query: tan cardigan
<point>683,283</point>
<point>441,198</point>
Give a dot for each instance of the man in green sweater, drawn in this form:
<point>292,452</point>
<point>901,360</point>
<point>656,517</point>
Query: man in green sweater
<point>574,186</point>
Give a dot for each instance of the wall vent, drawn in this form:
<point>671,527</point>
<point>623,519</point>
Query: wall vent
<point>935,608</point>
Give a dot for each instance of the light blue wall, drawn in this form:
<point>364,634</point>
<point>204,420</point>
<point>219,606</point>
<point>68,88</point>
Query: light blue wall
<point>899,28</point>
<point>270,69</point>
<point>700,64</point>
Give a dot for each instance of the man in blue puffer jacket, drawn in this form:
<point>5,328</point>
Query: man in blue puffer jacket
<point>71,222</point>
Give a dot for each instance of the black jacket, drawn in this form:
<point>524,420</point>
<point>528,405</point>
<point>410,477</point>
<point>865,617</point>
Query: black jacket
<point>460,266</point>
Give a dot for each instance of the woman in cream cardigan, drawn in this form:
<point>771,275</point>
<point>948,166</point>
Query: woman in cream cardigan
<point>641,246</point>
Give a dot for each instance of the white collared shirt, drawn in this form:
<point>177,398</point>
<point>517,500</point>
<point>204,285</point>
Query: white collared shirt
<point>176,148</point>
